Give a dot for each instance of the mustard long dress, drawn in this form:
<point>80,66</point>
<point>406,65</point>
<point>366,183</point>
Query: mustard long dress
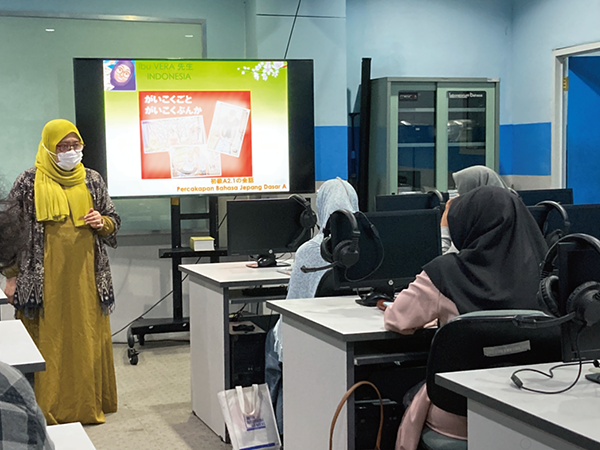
<point>72,333</point>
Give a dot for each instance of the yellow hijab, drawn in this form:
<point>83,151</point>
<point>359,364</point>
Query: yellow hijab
<point>58,192</point>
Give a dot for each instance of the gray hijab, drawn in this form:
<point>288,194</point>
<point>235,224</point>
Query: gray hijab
<point>332,195</point>
<point>472,177</point>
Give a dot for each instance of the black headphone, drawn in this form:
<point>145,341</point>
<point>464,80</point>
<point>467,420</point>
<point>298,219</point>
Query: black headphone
<point>308,220</point>
<point>582,305</point>
<point>554,235</point>
<point>345,253</point>
<point>441,203</point>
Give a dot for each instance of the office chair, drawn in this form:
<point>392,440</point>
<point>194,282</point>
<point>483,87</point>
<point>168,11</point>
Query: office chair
<point>326,288</point>
<point>480,340</point>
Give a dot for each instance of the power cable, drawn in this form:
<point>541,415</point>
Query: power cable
<point>152,307</point>
<point>292,30</point>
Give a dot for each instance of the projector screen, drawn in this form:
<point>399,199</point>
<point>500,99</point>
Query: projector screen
<point>190,127</point>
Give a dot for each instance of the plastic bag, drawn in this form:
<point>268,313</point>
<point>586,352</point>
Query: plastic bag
<point>248,414</point>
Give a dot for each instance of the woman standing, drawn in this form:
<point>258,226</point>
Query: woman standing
<point>61,285</point>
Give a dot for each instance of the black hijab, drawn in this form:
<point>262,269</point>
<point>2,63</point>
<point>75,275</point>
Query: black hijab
<point>500,248</point>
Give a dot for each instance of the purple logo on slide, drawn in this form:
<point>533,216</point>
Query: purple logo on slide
<point>122,76</point>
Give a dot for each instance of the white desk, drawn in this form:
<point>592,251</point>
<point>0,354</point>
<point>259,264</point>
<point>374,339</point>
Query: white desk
<point>70,436</point>
<point>502,417</point>
<point>3,301</point>
<point>210,295</point>
<point>323,340</point>
<point>18,350</point>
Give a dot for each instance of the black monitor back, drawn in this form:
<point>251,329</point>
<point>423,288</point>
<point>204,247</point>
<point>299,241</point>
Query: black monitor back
<point>410,239</point>
<point>577,264</point>
<point>257,226</point>
<point>534,196</point>
<point>582,218</point>
<point>407,202</point>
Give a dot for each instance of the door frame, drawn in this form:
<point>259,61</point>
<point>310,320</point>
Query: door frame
<point>558,175</point>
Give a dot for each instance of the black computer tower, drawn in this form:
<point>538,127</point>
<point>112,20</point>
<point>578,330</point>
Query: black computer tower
<point>247,349</point>
<point>366,420</point>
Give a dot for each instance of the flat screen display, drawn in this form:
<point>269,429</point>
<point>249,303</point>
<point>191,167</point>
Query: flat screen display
<point>263,226</point>
<point>189,127</point>
<point>410,239</point>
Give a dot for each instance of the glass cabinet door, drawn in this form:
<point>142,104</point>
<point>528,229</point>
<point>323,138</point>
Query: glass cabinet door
<point>468,139</point>
<point>416,122</point>
<point>423,130</point>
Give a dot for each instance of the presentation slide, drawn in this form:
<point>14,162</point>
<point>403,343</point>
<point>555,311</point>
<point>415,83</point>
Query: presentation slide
<point>196,127</point>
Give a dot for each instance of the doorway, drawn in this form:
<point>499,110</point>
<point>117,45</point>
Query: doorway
<point>583,133</point>
<point>575,114</point>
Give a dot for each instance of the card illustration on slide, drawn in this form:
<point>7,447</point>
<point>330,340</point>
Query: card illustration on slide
<point>160,135</point>
<point>194,161</point>
<point>228,128</point>
<point>175,127</point>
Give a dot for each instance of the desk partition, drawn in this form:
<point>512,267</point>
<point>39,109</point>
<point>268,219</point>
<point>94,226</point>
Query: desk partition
<point>534,196</point>
<point>582,218</point>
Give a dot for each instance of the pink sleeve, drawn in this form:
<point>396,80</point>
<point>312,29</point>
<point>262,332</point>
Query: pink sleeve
<point>418,305</point>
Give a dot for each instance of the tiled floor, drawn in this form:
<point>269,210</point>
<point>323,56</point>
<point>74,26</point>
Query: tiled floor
<point>154,404</point>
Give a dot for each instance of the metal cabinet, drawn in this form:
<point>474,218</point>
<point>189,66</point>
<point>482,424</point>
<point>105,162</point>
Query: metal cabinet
<point>424,129</point>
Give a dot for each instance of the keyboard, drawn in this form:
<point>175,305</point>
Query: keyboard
<point>265,291</point>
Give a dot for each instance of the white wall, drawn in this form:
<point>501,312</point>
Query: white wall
<point>225,18</point>
<point>539,26</point>
<point>319,33</point>
<point>430,38</point>
<point>140,277</point>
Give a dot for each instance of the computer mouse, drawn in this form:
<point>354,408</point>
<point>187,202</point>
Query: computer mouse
<point>266,262</point>
<point>372,299</point>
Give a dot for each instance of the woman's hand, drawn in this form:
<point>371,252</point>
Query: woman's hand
<point>94,219</point>
<point>444,222</point>
<point>9,289</point>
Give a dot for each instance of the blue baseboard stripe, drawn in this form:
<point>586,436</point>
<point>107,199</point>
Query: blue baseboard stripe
<point>331,152</point>
<point>525,149</point>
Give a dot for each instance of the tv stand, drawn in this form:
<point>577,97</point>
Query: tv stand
<point>176,323</point>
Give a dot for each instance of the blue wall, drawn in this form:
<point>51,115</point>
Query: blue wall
<point>583,133</point>
<point>524,149</point>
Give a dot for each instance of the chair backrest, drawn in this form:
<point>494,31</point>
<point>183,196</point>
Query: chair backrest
<point>326,288</point>
<point>482,340</point>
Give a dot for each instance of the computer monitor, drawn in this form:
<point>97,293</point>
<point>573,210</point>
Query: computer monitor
<point>582,218</point>
<point>577,264</point>
<point>408,201</point>
<point>534,196</point>
<point>264,227</point>
<point>410,239</point>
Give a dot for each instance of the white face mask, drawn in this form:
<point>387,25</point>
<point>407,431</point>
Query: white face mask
<point>68,160</point>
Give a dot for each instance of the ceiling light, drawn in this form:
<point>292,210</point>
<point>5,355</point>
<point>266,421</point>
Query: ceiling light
<point>189,35</point>
<point>49,29</point>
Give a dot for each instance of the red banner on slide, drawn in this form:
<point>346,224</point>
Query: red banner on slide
<point>213,125</point>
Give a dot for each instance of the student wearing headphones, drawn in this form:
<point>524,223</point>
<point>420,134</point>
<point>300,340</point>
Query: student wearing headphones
<point>499,247</point>
<point>466,180</point>
<point>332,195</point>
